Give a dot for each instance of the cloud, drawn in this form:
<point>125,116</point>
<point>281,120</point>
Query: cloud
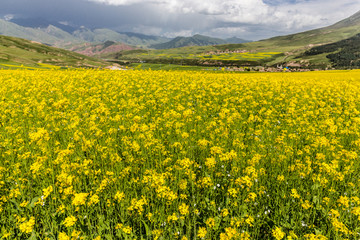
<point>127,2</point>
<point>243,9</point>
<point>8,17</point>
<point>290,14</point>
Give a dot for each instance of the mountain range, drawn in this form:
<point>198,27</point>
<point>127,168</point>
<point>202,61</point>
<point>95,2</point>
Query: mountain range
<point>196,40</point>
<point>67,36</point>
<point>50,35</point>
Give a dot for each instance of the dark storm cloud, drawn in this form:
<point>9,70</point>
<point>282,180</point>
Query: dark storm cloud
<point>78,11</point>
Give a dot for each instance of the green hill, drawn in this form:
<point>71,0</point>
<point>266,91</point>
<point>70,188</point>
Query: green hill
<point>99,35</point>
<point>344,53</point>
<point>17,51</point>
<point>196,40</point>
<point>336,32</point>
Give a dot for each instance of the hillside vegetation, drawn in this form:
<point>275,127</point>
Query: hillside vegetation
<point>196,40</point>
<point>20,51</point>
<point>100,49</point>
<point>343,53</point>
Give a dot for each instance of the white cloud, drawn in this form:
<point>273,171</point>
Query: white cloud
<point>290,16</point>
<point>227,31</point>
<point>125,2</point>
<point>242,9</point>
<point>248,11</point>
<point>8,17</point>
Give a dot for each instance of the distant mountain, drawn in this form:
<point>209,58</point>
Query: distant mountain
<point>98,35</point>
<point>50,35</point>
<point>61,35</point>
<point>42,23</point>
<point>138,39</point>
<point>20,51</point>
<point>196,40</point>
<point>68,36</point>
<point>143,36</point>
<point>236,40</point>
<point>103,35</point>
<point>100,49</point>
<point>353,20</point>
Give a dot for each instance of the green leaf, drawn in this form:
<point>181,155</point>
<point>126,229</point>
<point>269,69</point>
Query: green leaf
<point>33,201</point>
<point>315,186</point>
<point>33,236</point>
<point>16,205</point>
<point>108,236</point>
<point>147,229</point>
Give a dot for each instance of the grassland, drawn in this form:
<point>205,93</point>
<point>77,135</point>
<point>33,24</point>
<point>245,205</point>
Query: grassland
<point>151,66</point>
<point>231,54</point>
<point>197,56</point>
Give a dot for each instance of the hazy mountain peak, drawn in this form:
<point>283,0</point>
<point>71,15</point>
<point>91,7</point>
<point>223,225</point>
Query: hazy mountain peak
<point>347,22</point>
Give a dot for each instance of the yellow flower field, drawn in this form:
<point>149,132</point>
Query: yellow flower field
<point>91,154</point>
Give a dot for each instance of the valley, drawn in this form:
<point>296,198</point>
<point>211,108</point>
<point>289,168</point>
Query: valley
<point>293,51</point>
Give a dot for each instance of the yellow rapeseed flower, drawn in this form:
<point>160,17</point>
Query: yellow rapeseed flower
<point>278,234</point>
<point>70,221</point>
<point>28,226</point>
<point>184,209</point>
<point>201,233</point>
<point>79,199</point>
<point>210,222</point>
<point>63,236</point>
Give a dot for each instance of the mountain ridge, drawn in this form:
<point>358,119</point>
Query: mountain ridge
<point>41,23</point>
<point>65,36</point>
<point>50,35</point>
<point>196,40</point>
<point>343,29</point>
<point>100,49</point>
<point>59,35</point>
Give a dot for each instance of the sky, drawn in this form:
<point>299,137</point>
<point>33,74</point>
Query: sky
<point>247,19</point>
